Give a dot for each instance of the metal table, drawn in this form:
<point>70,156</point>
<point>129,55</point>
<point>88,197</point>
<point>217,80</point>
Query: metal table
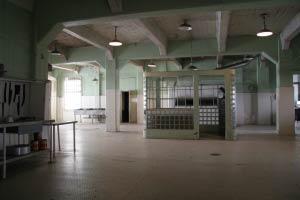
<point>57,124</point>
<point>89,111</point>
<point>26,127</point>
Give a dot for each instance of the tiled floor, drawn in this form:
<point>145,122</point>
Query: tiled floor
<point>124,165</point>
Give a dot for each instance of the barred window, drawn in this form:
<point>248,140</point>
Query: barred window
<point>72,93</point>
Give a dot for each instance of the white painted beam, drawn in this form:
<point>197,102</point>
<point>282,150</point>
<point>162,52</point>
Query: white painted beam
<point>73,68</point>
<point>116,6</point>
<point>290,31</point>
<point>222,25</point>
<point>91,37</point>
<point>154,33</point>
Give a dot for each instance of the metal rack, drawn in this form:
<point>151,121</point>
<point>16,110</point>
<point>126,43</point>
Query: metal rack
<point>22,128</point>
<point>169,105</point>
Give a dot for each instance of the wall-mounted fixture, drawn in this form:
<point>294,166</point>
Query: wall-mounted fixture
<point>264,32</point>
<point>55,51</point>
<point>185,26</point>
<point>151,64</point>
<point>115,42</point>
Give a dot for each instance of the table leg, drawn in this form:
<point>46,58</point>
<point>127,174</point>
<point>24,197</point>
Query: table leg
<point>74,137</point>
<point>53,142</point>
<point>80,119</point>
<point>50,143</point>
<point>4,154</point>
<point>58,137</point>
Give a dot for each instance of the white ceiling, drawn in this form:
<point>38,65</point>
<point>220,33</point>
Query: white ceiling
<point>242,22</point>
<point>127,31</point>
<point>248,22</point>
<point>204,26</point>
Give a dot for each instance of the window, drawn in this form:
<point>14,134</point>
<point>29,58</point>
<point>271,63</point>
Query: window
<point>72,93</point>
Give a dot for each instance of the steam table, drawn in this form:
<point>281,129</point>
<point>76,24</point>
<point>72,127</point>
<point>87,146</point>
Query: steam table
<point>19,128</point>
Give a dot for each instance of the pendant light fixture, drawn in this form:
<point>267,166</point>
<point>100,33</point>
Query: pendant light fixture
<point>115,42</point>
<point>264,32</point>
<point>55,52</point>
<point>185,26</point>
<point>151,64</point>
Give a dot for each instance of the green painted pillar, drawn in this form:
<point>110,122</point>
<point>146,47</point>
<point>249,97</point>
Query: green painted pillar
<point>140,96</point>
<point>285,95</point>
<point>112,96</point>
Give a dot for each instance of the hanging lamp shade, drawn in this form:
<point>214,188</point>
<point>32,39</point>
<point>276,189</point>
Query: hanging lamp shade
<point>55,52</point>
<point>185,26</point>
<point>192,67</point>
<point>152,64</point>
<point>265,32</point>
<point>115,42</point>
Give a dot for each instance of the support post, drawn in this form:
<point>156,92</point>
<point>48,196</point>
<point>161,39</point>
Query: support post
<point>112,97</point>
<point>158,102</point>
<point>74,138</point>
<point>4,154</point>
<point>285,95</point>
<point>230,106</point>
<point>196,104</point>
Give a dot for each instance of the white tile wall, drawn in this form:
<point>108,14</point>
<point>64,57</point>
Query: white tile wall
<point>256,108</point>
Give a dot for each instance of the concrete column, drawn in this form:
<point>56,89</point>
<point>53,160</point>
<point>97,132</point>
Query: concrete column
<point>285,96</point>
<point>158,103</point>
<point>230,106</point>
<point>112,97</point>
<point>196,103</point>
<point>140,96</point>
<point>41,63</point>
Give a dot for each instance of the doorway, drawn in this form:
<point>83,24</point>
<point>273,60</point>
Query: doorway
<point>296,84</point>
<point>125,107</point>
<point>129,107</point>
<point>212,106</point>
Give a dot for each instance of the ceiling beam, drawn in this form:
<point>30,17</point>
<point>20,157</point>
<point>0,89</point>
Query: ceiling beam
<point>139,63</point>
<point>91,37</point>
<point>154,33</point>
<point>73,68</point>
<point>222,25</point>
<point>116,6</point>
<point>219,61</point>
<point>290,31</point>
<point>177,63</point>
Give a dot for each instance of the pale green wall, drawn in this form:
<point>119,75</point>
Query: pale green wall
<point>16,36</point>
<point>295,46</point>
<point>87,74</point>
<point>163,66</point>
<point>255,77</point>
<point>129,77</point>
